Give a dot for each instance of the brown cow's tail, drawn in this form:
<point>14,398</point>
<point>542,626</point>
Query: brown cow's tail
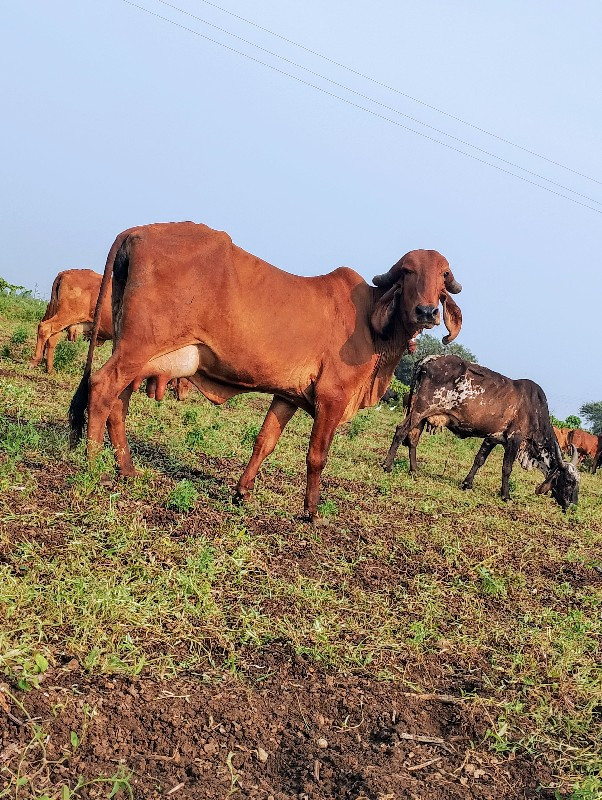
<point>79,403</point>
<point>54,298</point>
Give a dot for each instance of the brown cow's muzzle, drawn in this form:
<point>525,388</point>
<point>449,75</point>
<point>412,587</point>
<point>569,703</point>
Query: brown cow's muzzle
<point>427,316</point>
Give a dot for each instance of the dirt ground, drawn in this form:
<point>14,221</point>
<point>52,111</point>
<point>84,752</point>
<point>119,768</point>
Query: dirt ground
<point>284,731</point>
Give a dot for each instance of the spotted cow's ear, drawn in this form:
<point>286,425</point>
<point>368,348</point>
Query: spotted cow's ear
<point>385,311</point>
<point>452,317</point>
<point>545,487</point>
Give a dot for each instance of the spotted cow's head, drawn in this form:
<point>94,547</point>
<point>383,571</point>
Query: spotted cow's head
<point>563,480</point>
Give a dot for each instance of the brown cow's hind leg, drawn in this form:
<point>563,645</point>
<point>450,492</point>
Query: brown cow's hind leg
<point>279,413</point>
<point>117,434</point>
<point>106,386</point>
<point>50,346</point>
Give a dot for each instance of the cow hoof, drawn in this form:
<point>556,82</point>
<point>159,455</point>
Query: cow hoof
<point>240,497</point>
<point>387,467</point>
<point>465,486</point>
<point>130,473</point>
<point>505,499</point>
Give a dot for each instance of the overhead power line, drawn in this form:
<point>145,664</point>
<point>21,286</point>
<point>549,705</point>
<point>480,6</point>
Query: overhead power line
<point>397,91</point>
<point>362,108</point>
<point>382,105</point>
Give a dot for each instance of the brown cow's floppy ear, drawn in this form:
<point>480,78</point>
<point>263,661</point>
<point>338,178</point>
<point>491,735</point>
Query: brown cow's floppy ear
<point>452,317</point>
<point>383,316</point>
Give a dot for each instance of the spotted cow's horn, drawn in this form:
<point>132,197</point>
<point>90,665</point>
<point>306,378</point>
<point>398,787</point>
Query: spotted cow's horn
<point>574,455</point>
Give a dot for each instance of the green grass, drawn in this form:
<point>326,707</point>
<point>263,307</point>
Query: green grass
<point>162,573</point>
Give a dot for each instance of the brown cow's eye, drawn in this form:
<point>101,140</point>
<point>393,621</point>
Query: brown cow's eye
<point>446,274</point>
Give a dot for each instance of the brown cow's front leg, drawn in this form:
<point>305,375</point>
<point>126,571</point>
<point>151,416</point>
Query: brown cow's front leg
<point>325,424</point>
<point>480,458</point>
<point>510,452</point>
<point>279,413</point>
<point>117,434</point>
<point>43,337</point>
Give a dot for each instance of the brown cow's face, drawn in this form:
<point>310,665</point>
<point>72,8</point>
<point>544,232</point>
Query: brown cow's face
<point>415,286</point>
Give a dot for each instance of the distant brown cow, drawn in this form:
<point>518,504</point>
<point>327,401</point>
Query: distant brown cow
<point>326,344</point>
<point>562,434</point>
<point>71,306</point>
<point>72,303</point>
<point>598,458</point>
<point>586,443</point>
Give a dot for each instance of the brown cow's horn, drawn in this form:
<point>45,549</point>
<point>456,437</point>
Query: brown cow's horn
<point>574,455</point>
<point>455,287</point>
<point>384,281</point>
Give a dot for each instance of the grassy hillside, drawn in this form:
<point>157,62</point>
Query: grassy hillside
<point>413,588</point>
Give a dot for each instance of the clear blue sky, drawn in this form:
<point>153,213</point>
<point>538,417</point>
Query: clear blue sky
<point>113,118</point>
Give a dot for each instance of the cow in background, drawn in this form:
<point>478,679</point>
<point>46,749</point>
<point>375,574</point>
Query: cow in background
<point>472,400</point>
<point>326,344</point>
<point>562,435</point>
<point>598,458</point>
<point>71,307</point>
<point>586,444</point>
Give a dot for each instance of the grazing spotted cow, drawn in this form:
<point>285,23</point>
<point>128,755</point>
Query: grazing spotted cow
<point>472,400</point>
<point>326,344</point>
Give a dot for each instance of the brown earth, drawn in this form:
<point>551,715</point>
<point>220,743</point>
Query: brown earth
<point>285,731</point>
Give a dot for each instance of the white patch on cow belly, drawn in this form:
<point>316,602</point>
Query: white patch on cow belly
<point>463,390</point>
<point>179,363</point>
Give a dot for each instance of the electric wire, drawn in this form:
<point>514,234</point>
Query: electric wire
<point>397,91</point>
<point>360,107</point>
<point>383,105</point>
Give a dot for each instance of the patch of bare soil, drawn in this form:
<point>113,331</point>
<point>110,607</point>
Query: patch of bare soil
<point>289,732</point>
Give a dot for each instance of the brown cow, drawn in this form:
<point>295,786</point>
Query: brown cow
<point>586,444</point>
<point>326,344</point>
<point>71,306</point>
<point>472,400</point>
<point>72,303</point>
<point>598,458</point>
<point>562,434</point>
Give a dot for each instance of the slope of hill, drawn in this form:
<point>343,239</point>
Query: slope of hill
<point>155,638</point>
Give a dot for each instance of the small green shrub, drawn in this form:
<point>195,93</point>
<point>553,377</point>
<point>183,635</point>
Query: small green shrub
<point>328,508</point>
<point>182,497</point>
<point>491,584</point>
<point>251,433</point>
<point>18,347</point>
<point>359,424</point>
<point>70,356</point>
<point>190,416</point>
